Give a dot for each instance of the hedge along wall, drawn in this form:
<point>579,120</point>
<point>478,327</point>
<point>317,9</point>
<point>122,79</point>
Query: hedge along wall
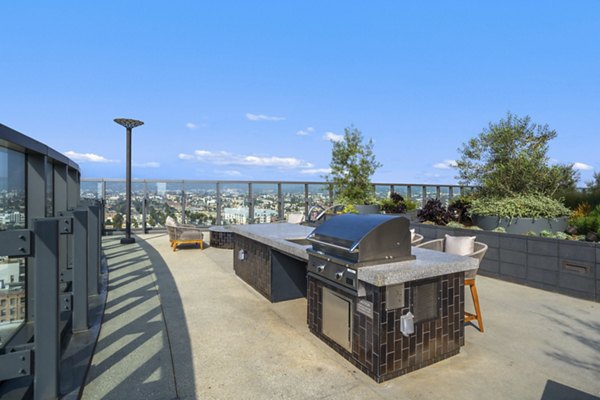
<point>567,267</point>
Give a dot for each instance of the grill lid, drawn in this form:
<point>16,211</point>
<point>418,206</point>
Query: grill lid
<point>363,239</point>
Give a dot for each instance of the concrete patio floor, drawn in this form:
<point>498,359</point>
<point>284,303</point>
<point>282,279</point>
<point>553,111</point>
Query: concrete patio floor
<point>182,325</point>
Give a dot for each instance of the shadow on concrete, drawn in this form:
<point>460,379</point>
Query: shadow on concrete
<point>144,351</point>
<point>558,391</point>
<point>176,325</point>
<point>586,332</point>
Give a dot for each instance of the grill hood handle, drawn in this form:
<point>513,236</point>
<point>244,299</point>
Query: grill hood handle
<point>350,250</point>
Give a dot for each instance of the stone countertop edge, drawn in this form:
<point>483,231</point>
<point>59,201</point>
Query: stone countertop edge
<point>428,264</point>
<point>275,235</point>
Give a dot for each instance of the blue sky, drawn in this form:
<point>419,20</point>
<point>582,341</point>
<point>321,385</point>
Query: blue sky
<point>256,90</point>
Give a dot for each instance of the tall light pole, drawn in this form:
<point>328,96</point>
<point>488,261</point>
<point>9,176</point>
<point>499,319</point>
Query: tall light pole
<point>129,124</point>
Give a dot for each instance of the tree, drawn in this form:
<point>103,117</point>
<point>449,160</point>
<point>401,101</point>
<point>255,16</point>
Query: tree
<point>117,221</point>
<point>510,158</point>
<point>352,165</point>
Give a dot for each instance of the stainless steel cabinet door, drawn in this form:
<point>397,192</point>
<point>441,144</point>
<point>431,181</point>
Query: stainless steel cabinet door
<point>337,318</point>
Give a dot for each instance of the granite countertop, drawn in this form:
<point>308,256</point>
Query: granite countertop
<point>275,235</point>
<point>428,263</point>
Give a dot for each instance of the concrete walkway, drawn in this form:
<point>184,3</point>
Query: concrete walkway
<point>182,325</point>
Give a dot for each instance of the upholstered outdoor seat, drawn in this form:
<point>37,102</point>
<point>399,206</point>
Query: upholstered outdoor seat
<point>477,251</point>
<point>183,234</point>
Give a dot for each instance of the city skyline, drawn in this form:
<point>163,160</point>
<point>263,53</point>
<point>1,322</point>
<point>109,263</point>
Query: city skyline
<point>259,91</point>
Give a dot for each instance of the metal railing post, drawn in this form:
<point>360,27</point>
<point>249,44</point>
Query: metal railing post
<point>47,340</point>
<point>280,205</point>
<point>250,204</point>
<point>219,220</point>
<point>80,270</point>
<point>93,250</point>
<point>306,201</point>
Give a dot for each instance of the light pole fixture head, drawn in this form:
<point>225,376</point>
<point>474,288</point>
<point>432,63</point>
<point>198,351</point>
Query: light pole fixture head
<point>128,123</point>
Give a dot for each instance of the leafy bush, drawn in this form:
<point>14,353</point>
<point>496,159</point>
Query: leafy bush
<point>410,204</point>
<point>510,158</point>
<point>459,209</point>
<point>393,205</point>
<point>527,206</point>
<point>434,211</point>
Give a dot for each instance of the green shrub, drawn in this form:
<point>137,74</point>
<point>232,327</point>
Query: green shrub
<point>410,204</point>
<point>529,206</point>
<point>589,223</point>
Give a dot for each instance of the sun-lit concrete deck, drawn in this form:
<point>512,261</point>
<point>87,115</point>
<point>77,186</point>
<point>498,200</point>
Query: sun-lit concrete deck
<point>182,325</point>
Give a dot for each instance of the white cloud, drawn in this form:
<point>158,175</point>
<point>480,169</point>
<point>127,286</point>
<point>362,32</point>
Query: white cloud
<point>305,132</point>
<point>149,164</point>
<point>316,171</point>
<point>231,172</point>
<point>333,137</point>
<point>88,157</point>
<point>191,125</point>
<point>226,158</point>
<point>582,167</point>
<point>262,117</point>
<point>446,164</point>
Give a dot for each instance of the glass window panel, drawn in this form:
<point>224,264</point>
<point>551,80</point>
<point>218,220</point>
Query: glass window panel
<point>234,203</point>
<point>200,203</point>
<point>318,194</point>
<point>12,216</point>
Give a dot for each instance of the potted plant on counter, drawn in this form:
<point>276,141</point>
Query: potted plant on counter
<point>352,165</point>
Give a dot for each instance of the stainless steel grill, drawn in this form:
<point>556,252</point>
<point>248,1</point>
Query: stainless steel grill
<point>347,242</point>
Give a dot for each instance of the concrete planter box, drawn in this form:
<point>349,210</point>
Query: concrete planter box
<point>563,266</point>
<point>367,209</point>
<point>521,226</point>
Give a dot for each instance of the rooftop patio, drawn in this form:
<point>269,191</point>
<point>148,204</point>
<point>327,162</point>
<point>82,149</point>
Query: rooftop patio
<point>183,325</point>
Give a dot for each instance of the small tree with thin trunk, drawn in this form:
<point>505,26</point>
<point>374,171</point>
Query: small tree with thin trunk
<point>352,165</point>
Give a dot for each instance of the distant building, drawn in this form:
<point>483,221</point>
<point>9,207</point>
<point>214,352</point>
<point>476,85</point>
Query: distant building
<point>240,215</point>
<point>12,294</point>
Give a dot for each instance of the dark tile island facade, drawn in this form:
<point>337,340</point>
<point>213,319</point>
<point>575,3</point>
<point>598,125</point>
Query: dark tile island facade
<point>379,348</point>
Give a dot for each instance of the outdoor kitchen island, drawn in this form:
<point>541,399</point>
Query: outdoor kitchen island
<point>387,317</point>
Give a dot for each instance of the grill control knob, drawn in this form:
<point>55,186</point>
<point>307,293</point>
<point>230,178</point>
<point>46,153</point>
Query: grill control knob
<point>320,268</point>
<point>339,275</point>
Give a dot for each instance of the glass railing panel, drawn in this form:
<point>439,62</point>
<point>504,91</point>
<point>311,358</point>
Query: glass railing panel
<point>431,192</point>
<point>157,207</point>
<point>445,194</point>
<point>137,204</point>
<point>91,190</point>
<point>293,199</point>
<point>265,203</point>
<point>401,190</point>
<point>200,203</point>
<point>174,200</point>
<point>115,205</point>
<point>234,203</point>
<point>12,216</point>
<point>318,194</point>
<point>382,191</point>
